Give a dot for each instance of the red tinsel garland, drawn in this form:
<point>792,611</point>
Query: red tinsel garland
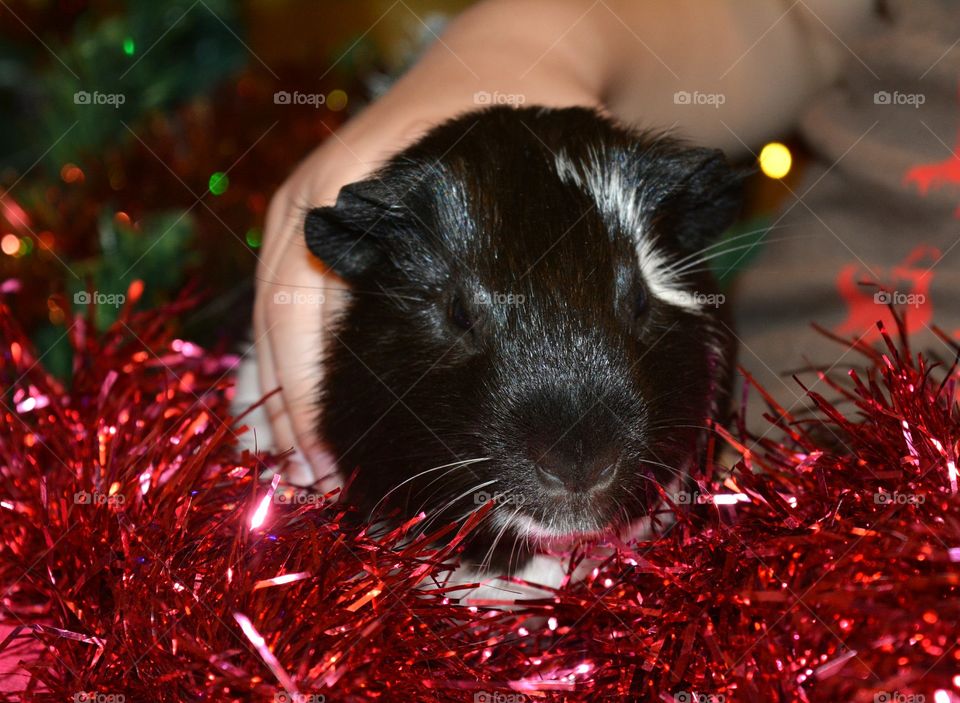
<point>142,558</point>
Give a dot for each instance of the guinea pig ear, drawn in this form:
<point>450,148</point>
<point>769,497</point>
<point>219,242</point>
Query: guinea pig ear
<point>347,236</point>
<point>704,200</point>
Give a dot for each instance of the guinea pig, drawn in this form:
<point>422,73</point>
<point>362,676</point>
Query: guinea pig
<point>530,321</point>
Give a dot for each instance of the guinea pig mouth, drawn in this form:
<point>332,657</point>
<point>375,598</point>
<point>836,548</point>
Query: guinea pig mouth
<point>563,526</point>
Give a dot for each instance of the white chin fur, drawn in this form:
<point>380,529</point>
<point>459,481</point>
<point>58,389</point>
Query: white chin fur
<point>534,530</point>
<point>542,570</point>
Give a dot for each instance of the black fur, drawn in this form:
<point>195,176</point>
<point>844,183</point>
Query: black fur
<point>587,371</point>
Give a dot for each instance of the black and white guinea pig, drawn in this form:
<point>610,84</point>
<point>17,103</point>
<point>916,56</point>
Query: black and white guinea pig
<point>527,323</point>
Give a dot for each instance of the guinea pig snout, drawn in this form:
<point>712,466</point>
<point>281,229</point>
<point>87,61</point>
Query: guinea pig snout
<point>571,448</point>
<point>572,436</point>
<point>577,469</point>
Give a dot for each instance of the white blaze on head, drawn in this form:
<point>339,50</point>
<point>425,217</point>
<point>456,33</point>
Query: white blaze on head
<point>621,202</point>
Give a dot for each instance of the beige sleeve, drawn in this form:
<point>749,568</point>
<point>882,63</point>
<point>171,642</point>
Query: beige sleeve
<point>748,66</point>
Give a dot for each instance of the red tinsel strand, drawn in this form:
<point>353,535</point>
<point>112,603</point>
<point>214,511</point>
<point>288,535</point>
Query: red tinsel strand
<point>142,556</point>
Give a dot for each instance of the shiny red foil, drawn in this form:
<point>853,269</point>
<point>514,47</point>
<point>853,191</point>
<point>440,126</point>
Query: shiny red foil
<point>143,557</point>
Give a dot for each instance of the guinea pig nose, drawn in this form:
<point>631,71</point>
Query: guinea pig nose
<point>576,474</point>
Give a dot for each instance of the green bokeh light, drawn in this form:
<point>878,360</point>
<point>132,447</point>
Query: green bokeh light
<point>254,237</point>
<point>129,46</point>
<point>219,183</point>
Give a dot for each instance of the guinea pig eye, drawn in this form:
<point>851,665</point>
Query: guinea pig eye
<point>458,315</point>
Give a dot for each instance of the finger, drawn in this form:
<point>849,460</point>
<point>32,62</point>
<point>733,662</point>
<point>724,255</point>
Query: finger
<point>277,235</point>
<point>297,314</point>
<point>281,431</point>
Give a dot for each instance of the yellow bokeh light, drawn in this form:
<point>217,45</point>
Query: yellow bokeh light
<point>10,244</point>
<point>337,100</point>
<point>775,160</point>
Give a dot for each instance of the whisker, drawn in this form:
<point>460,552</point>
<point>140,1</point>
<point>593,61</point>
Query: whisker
<point>493,547</point>
<point>516,541</point>
<point>730,240</point>
<point>455,465</point>
<point>438,490</point>
<point>672,469</point>
<point>434,514</point>
<point>669,425</point>
<point>686,267</point>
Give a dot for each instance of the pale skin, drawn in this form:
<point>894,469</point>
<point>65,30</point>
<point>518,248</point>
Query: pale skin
<point>625,57</point>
